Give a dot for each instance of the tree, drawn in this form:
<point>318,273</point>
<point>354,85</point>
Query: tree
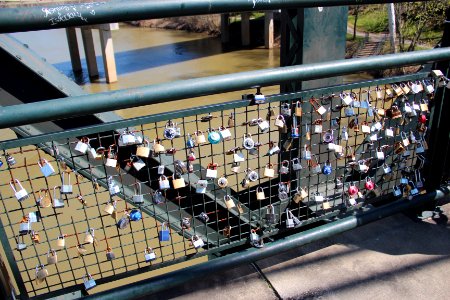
<point>413,18</point>
<point>356,10</point>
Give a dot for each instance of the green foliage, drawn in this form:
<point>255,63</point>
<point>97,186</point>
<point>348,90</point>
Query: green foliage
<point>371,20</point>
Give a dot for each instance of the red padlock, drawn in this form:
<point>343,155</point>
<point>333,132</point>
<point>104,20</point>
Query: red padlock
<point>369,184</point>
<point>191,156</point>
<point>352,190</point>
<point>422,119</point>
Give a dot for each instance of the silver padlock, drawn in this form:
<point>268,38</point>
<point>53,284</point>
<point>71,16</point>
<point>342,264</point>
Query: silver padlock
<point>211,170</point>
<point>197,242</point>
<point>285,110</point>
<point>344,133</point>
<point>306,154</point>
<point>414,191</point>
<point>58,202</point>
<point>45,167</point>
<point>21,245</point>
<point>283,191</point>
<point>225,133</point>
<point>296,165</point>
<point>24,227</point>
<point>264,126</point>
<point>138,163</point>
<point>397,191</point>
<point>111,157</point>
<point>149,255</point>
<point>284,169</point>
<point>21,194</point>
<point>255,239</point>
<point>346,98</point>
<point>82,145</point>
<point>127,138</point>
<point>138,198</point>
<point>66,187</point>
<point>252,175</point>
<point>112,187</point>
<point>248,142</point>
<point>273,148</point>
<point>318,197</point>
<point>110,254</point>
<point>201,186</point>
<point>88,282</point>
<point>170,131</point>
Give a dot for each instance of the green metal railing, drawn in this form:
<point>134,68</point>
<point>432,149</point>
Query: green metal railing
<point>226,228</point>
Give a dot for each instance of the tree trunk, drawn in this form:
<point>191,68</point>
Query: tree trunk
<point>356,19</point>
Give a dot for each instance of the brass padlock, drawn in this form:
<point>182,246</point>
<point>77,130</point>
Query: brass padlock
<point>35,237</point>
<point>41,273</point>
<point>52,257</point>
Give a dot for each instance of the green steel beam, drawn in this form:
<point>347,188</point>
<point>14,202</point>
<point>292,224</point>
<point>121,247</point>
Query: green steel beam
<point>175,278</point>
<point>66,15</point>
<point>157,93</point>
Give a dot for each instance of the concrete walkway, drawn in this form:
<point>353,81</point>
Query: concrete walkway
<point>395,258</point>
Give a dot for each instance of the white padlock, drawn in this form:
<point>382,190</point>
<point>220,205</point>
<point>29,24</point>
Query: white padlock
<point>149,255</point>
<point>82,145</point>
<point>45,167</point>
<point>197,242</point>
<point>58,202</point>
<point>88,282</point>
<point>66,187</point>
<point>21,194</point>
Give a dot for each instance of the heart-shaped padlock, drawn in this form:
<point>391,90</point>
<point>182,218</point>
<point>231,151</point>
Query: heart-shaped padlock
<point>213,136</point>
<point>369,185</point>
<point>352,189</point>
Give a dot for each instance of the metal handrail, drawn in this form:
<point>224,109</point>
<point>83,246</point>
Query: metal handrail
<point>66,15</point>
<point>23,114</point>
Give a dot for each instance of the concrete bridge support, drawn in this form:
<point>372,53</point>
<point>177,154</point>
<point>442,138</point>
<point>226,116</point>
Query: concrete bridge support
<point>89,50</point>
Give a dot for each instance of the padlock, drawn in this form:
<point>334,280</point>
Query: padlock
<point>10,160</point>
<point>44,200</point>
<point>289,219</point>
<point>110,254</point>
<point>35,237</point>
<point>255,239</point>
<point>338,183</point>
<point>235,167</point>
<point>287,144</point>
<point>200,137</point>
<point>354,124</point>
<point>111,157</point>
<point>352,189</point>
<point>414,191</point>
<point>127,138</point>
<point>283,191</point>
<point>34,216</point>
<point>213,136</point>
<point>158,197</point>
<point>61,241</point>
<point>298,109</point>
<point>307,133</point>
<point>229,203</point>
<point>429,88</point>
<point>273,148</point>
<point>178,182</point>
<point>21,245</point>
<point>222,182</point>
<point>394,112</point>
<point>327,168</point>
<point>238,157</point>
<point>424,105</point>
<point>328,137</point>
<point>318,197</point>
<point>378,93</point>
<point>346,98</point>
<point>437,73</point>
<point>349,111</point>
<point>240,208</point>
<point>318,128</point>
<point>225,133</point>
<point>376,127</point>
<point>88,282</point>
<point>389,132</point>
<point>416,87</point>
<point>231,120</point>
<point>369,185</point>
<point>365,127</point>
<point>405,139</point>
<point>315,166</point>
<point>21,194</point>
<point>247,141</point>
<point>418,177</point>
<point>270,215</point>
<point>211,170</point>
<point>190,143</point>
<point>279,121</point>
<point>306,154</point>
<point>303,193</point>
<point>296,165</point>
<point>158,148</point>
<point>138,198</point>
<point>201,186</point>
<point>185,223</point>
<point>170,132</point>
<point>163,183</point>
<point>317,107</point>
<point>204,217</point>
<point>52,257</point>
<point>112,187</point>
<point>124,221</point>
<point>197,242</point>
<point>350,154</point>
<point>149,254</point>
<point>344,133</point>
<point>326,204</point>
<point>419,147</point>
<point>399,148</point>
<point>245,183</point>
<point>397,191</point>
<point>362,166</point>
<point>66,186</point>
<point>260,194</point>
<point>285,109</point>
<point>398,90</point>
<point>110,207</point>
<point>380,154</point>
<point>406,90</point>
<point>89,236</point>
<point>284,169</point>
<point>58,202</point>
<point>45,167</point>
<point>41,273</point>
<point>24,227</point>
<point>82,145</point>
<point>252,175</point>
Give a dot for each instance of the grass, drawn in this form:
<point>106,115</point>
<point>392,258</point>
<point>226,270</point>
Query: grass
<point>371,20</point>
<point>349,37</point>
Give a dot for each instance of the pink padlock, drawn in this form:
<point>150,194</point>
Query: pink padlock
<point>369,184</point>
<point>352,190</point>
<point>191,156</point>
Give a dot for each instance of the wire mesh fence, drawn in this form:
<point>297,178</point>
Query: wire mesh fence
<point>80,208</point>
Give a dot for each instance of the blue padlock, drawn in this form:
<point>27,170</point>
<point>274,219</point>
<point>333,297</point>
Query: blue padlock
<point>135,215</point>
<point>190,142</point>
<point>213,136</point>
<point>164,234</point>
<point>327,168</point>
<point>1,162</point>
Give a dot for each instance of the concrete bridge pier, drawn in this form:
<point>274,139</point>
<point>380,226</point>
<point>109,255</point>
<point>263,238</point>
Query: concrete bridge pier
<point>89,50</point>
